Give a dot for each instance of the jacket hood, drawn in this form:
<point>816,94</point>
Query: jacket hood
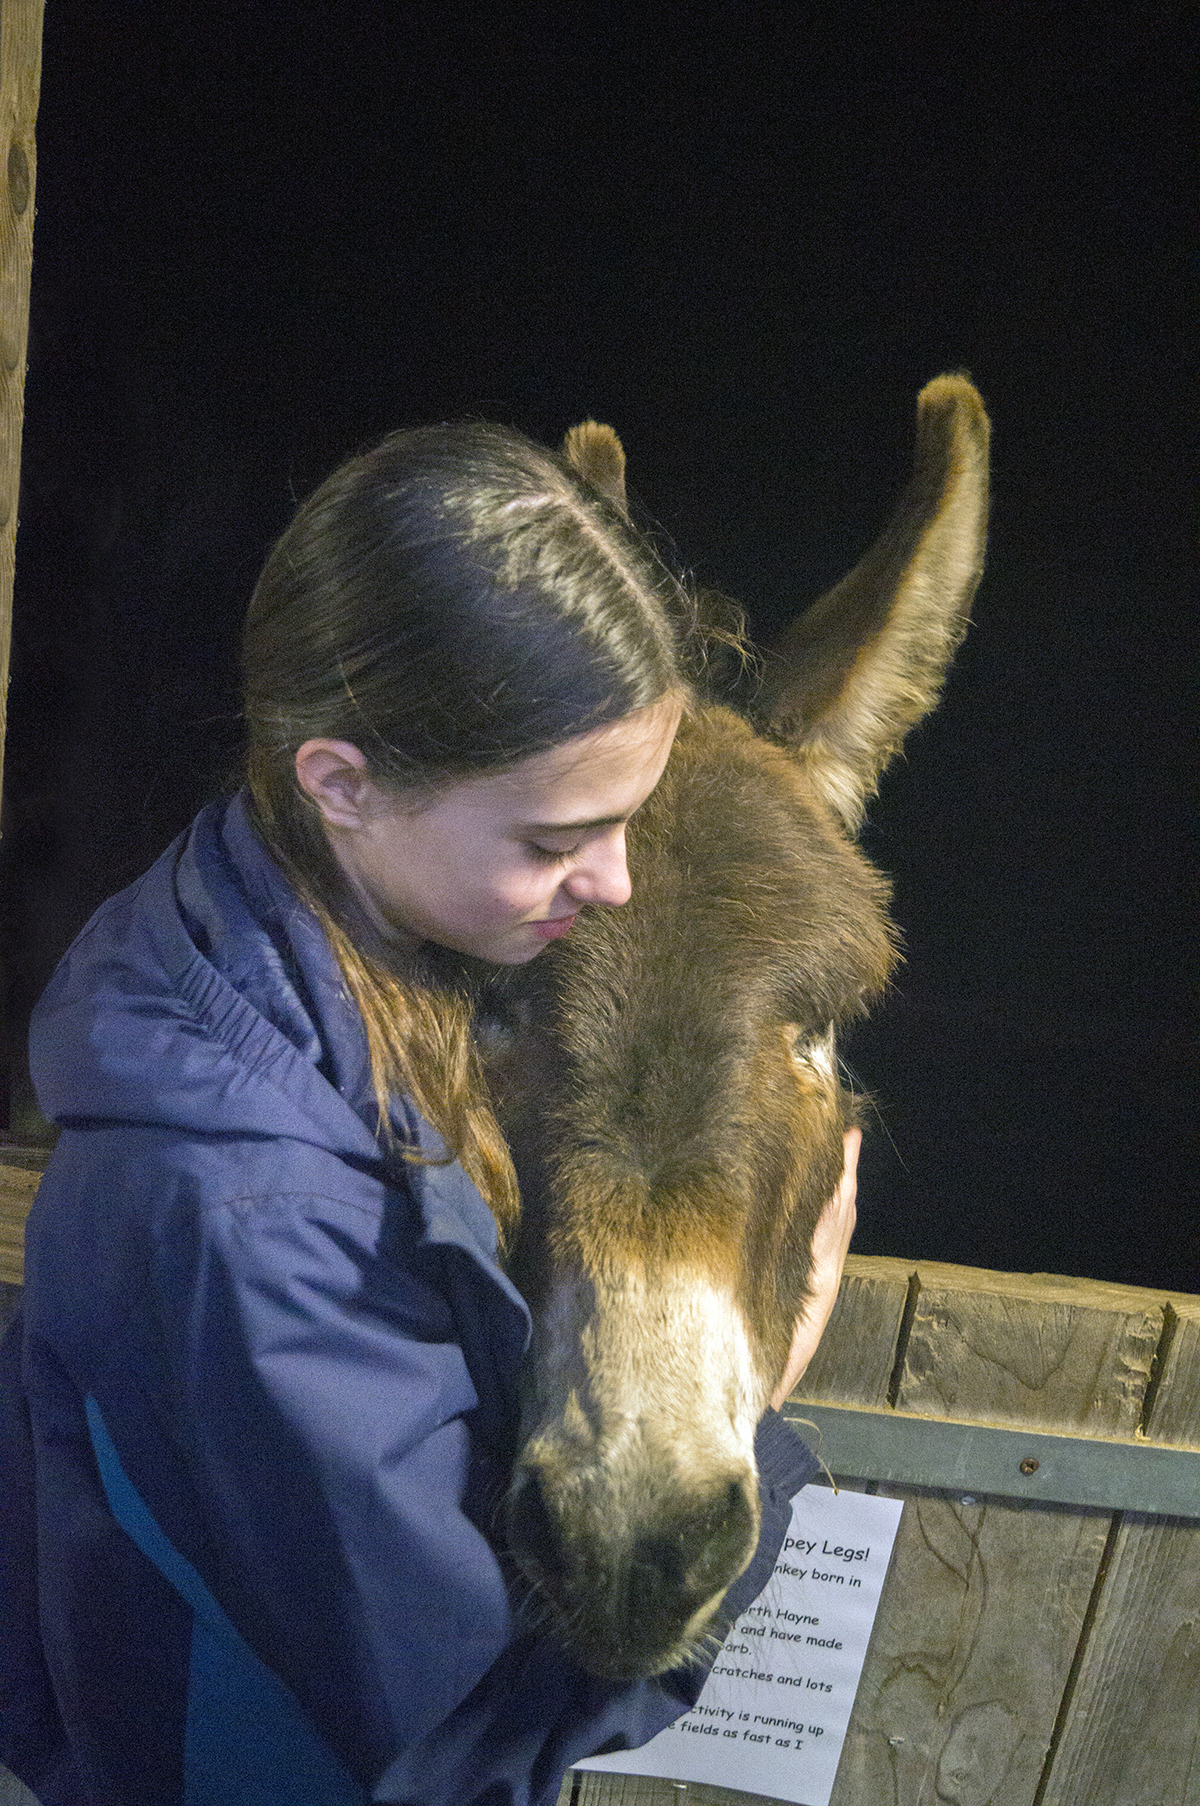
<point>206,998</point>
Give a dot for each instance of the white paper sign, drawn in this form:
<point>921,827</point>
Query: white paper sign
<point>773,1714</point>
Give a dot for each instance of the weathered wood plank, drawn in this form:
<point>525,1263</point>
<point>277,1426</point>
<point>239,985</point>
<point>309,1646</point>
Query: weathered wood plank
<point>20,81</point>
<point>857,1354</point>
<point>971,1652</point>
<point>986,1600</point>
<point>634,1790</point>
<point>1175,1413</point>
<point>1131,1734</point>
<point>1010,1349</point>
<point>20,1172</point>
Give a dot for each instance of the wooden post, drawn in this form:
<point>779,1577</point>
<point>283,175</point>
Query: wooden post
<point>20,83</point>
<point>20,80</point>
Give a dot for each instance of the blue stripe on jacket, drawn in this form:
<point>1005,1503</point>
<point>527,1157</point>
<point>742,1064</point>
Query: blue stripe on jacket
<point>248,1743</point>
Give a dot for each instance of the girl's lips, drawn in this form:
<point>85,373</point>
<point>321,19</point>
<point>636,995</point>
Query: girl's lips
<point>553,929</point>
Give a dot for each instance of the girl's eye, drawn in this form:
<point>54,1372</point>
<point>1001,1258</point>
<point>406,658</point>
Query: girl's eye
<point>549,855</point>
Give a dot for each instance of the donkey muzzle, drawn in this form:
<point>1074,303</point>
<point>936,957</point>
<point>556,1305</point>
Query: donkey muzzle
<point>630,1591</point>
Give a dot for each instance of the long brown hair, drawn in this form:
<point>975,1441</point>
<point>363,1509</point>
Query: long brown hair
<point>449,602</point>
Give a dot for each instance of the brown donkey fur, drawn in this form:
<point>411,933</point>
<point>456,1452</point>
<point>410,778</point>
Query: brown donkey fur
<point>668,1081</point>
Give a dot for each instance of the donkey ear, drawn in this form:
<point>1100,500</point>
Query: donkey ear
<point>860,667</point>
<point>595,452</point>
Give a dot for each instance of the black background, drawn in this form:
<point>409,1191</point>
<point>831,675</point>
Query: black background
<point>746,236</point>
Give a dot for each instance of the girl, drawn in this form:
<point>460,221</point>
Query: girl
<point>263,1402</point>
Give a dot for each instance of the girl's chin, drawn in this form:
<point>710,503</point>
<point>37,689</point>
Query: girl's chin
<point>511,944</point>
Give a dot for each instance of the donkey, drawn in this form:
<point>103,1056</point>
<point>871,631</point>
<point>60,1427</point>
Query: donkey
<point>668,1082</point>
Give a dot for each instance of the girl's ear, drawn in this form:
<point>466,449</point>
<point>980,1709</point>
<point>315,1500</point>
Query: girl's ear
<point>334,774</point>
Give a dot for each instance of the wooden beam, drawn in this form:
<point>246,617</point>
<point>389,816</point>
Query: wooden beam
<point>861,1443</point>
<point>20,81</point>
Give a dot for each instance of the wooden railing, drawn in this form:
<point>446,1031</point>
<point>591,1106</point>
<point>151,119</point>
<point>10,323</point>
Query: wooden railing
<point>1026,1653</point>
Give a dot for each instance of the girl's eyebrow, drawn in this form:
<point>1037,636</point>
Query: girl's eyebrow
<point>571,827</point>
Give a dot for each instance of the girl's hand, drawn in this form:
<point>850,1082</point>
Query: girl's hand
<point>831,1240</point>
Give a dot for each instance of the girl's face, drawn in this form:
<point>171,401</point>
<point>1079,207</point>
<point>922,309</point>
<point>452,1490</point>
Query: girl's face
<point>495,866</point>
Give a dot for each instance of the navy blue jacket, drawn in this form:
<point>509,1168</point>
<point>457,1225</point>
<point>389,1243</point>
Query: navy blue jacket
<point>261,1402</point>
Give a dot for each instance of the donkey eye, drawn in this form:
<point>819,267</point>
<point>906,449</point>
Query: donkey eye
<point>819,1052</point>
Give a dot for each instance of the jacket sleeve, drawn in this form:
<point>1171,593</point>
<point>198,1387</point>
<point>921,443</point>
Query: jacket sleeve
<point>325,1409</point>
<point>534,1713</point>
<point>346,1503</point>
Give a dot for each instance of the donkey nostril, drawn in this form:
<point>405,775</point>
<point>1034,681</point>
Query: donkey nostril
<point>683,1568</point>
<point>718,1538</point>
<point>707,1548</point>
<point>532,1531</point>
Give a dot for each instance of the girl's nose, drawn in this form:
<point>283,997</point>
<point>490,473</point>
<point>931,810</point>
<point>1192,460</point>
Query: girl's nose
<point>602,875</point>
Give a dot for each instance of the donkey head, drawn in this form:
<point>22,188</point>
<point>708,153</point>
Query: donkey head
<point>669,1083</point>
